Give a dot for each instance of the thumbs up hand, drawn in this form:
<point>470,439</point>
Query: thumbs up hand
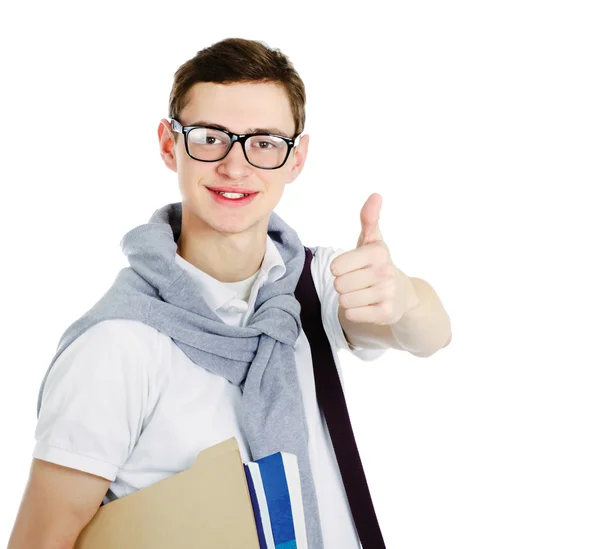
<point>371,289</point>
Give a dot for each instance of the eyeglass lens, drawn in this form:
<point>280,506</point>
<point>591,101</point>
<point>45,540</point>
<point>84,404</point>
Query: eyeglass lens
<point>265,151</point>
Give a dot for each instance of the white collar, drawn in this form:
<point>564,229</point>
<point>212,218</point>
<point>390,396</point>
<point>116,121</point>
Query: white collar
<point>218,294</point>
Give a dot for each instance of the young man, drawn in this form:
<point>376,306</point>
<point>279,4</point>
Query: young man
<point>199,339</point>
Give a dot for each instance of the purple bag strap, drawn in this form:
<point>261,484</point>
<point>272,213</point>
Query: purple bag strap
<point>330,396</point>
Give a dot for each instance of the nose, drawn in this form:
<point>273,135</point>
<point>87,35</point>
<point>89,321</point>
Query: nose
<point>235,165</point>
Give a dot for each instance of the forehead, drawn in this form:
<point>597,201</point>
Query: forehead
<point>239,106</point>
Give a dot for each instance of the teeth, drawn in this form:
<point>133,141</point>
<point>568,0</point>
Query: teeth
<point>232,195</point>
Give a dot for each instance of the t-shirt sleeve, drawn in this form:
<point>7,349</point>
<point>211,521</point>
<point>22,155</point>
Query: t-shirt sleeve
<point>94,401</point>
<point>321,273</point>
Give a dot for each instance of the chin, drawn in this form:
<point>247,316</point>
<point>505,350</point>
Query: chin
<point>229,223</point>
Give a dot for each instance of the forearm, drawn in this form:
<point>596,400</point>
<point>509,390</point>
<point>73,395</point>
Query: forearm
<point>424,328</point>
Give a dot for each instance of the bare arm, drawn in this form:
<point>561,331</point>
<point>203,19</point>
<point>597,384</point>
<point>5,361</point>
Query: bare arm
<point>423,329</point>
<point>57,504</point>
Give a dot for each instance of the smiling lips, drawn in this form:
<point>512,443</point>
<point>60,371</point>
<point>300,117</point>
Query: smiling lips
<point>233,190</point>
<point>241,201</point>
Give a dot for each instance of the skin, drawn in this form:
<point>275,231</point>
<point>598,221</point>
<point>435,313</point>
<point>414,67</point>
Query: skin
<point>229,243</point>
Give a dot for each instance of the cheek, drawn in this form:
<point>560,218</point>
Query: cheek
<point>274,185</point>
<point>275,180</point>
<point>194,174</point>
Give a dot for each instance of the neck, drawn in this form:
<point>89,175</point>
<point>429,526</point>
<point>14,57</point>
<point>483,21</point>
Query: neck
<point>227,257</point>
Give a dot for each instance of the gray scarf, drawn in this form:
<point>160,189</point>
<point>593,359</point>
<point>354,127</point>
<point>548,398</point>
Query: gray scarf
<point>259,357</point>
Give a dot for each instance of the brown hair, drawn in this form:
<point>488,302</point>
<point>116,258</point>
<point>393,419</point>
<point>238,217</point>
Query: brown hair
<point>239,60</point>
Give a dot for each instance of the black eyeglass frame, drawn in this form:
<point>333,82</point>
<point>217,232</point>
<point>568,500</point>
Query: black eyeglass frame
<point>234,137</point>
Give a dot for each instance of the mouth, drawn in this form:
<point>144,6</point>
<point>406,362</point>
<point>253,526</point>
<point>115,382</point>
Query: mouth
<point>232,199</point>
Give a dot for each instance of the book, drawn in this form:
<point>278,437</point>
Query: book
<point>276,496</point>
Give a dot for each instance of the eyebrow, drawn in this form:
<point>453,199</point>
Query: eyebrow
<point>276,131</point>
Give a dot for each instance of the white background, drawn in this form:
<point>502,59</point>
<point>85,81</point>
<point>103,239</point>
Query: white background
<point>477,122</point>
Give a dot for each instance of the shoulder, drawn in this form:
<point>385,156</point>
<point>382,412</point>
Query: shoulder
<point>320,269</point>
<point>322,258</point>
<point>328,296</point>
<point>111,349</point>
<point>119,334</point>
<point>323,280</point>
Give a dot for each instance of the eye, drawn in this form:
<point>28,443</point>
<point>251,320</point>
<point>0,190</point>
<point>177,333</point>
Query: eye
<point>208,137</point>
<point>212,140</point>
<point>266,143</point>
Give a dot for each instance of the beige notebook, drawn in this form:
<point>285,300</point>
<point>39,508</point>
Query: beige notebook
<point>206,506</point>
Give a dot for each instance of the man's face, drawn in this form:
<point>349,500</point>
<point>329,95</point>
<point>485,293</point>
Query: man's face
<point>238,108</point>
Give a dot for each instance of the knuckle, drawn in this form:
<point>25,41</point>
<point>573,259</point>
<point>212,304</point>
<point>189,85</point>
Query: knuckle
<point>387,309</point>
<point>383,252</point>
<point>387,271</point>
<point>388,292</point>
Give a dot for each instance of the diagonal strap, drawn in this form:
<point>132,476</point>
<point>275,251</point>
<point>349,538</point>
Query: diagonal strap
<point>330,396</point>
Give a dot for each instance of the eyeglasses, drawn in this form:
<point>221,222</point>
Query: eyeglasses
<point>209,144</point>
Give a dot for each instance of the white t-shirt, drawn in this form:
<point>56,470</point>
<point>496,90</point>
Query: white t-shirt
<point>125,403</point>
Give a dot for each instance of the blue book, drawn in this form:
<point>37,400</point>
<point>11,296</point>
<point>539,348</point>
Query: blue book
<point>259,526</point>
<point>276,496</point>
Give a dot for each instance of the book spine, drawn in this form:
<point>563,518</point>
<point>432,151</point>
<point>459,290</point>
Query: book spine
<point>257,517</point>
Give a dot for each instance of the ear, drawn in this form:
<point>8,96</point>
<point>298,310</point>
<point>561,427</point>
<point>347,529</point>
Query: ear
<point>298,158</point>
<point>166,141</point>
